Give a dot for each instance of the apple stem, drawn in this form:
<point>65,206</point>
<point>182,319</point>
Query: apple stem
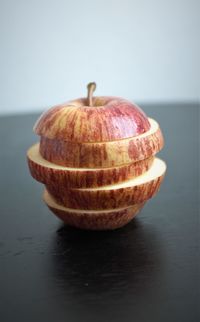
<point>91,88</point>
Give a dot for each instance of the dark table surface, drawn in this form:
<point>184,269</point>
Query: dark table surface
<point>146,271</point>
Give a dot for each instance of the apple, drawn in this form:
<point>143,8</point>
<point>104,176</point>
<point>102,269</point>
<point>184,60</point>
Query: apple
<point>96,158</point>
<point>48,173</point>
<point>97,132</point>
<point>123,194</point>
<point>91,219</point>
<point>103,154</point>
<point>93,119</point>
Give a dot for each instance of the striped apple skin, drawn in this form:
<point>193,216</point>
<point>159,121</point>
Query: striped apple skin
<point>106,220</point>
<point>111,118</point>
<point>87,178</point>
<point>104,154</point>
<point>109,221</point>
<point>104,199</point>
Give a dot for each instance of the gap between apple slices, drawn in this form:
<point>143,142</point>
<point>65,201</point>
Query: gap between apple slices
<point>103,154</point>
<point>123,194</point>
<point>47,172</point>
<point>92,219</point>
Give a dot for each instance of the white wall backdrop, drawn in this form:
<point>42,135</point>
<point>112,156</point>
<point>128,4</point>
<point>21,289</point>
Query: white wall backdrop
<point>142,50</point>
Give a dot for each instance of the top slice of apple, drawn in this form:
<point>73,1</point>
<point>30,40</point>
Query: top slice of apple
<point>93,119</point>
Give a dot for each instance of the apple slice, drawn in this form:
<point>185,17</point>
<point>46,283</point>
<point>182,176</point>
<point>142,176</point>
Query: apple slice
<point>91,219</point>
<point>103,154</point>
<point>106,119</point>
<point>114,196</point>
<point>47,173</point>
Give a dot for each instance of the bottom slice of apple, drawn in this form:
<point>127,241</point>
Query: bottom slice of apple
<point>92,219</point>
<point>124,194</point>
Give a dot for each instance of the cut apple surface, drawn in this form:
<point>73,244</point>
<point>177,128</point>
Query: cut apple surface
<point>123,194</point>
<point>91,219</point>
<point>47,172</point>
<point>108,119</point>
<point>103,154</point>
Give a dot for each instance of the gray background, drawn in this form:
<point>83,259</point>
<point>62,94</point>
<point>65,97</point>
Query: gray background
<point>147,51</point>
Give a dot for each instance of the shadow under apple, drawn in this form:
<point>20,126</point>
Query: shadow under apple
<point>100,265</point>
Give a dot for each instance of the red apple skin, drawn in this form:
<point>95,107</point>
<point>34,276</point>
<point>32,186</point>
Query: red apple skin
<point>104,199</point>
<point>104,154</point>
<point>109,119</point>
<point>87,178</point>
<point>102,221</point>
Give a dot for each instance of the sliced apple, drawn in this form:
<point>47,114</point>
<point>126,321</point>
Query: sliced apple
<point>103,154</point>
<point>123,194</point>
<point>47,172</point>
<point>91,219</point>
<point>107,119</point>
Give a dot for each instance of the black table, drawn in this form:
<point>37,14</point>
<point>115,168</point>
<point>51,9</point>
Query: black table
<point>146,271</point>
